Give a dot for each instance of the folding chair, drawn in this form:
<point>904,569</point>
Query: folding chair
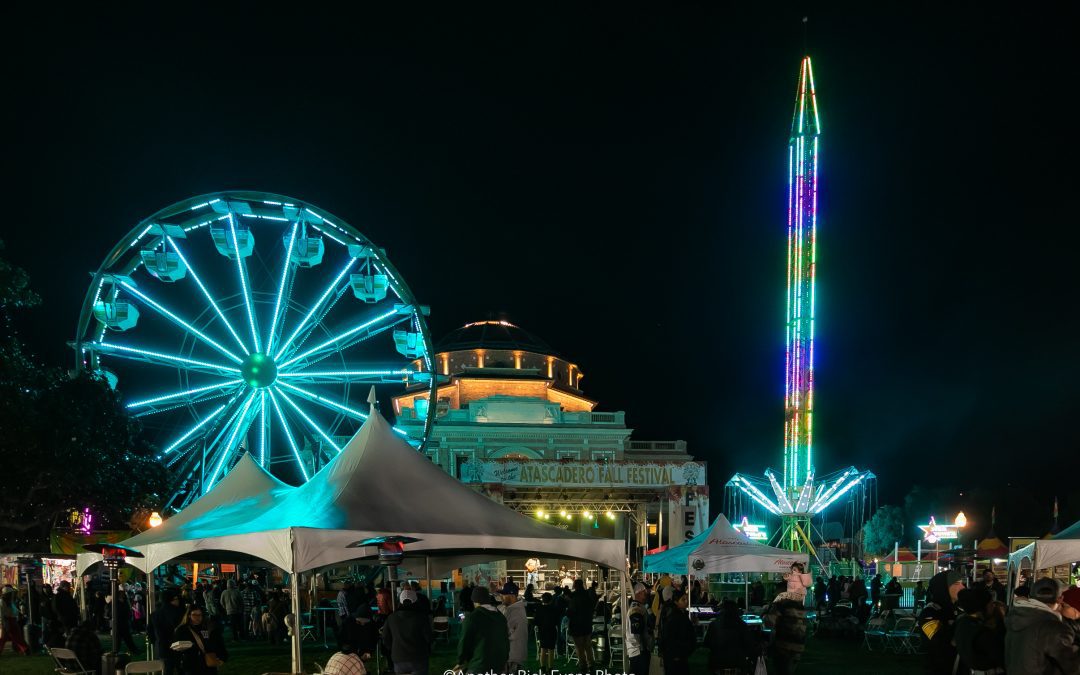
<point>904,638</point>
<point>875,629</point>
<point>67,663</point>
<point>145,667</point>
<point>441,628</point>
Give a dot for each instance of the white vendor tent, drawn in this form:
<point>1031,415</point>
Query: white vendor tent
<point>377,486</point>
<point>1062,549</point>
<point>720,549</point>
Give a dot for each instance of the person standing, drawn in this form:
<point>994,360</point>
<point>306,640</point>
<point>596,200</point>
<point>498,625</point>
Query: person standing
<point>677,637</point>
<point>161,626</point>
<point>937,619</point>
<point>233,605</point>
<point>344,611</point>
<point>251,599</point>
<point>893,592</point>
<point>85,643</point>
<point>980,631</point>
<point>547,631</point>
<point>996,588</point>
<point>517,627</point>
<point>207,650</point>
<point>580,612</point>
<point>919,594</point>
<point>65,608</point>
<point>639,637</point>
<point>731,645</point>
<point>407,635</point>
<point>10,630</point>
<point>484,646</point>
<point>788,619</point>
<point>1037,641</point>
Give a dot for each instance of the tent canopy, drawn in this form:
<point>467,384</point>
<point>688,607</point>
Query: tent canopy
<point>1063,549</point>
<point>377,486</point>
<point>721,549</point>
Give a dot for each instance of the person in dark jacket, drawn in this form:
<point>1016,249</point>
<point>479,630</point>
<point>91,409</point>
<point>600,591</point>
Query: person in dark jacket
<point>83,640</point>
<point>407,635</point>
<point>580,612</point>
<point>979,632</point>
<point>937,619</point>
<point>207,644</point>
<point>465,602</point>
<point>1037,642</point>
<point>788,621</point>
<point>677,637</point>
<point>875,592</point>
<point>161,627</point>
<point>547,630</point>
<point>891,597</point>
<point>990,582</point>
<point>64,607</point>
<point>484,646</point>
<point>731,645</point>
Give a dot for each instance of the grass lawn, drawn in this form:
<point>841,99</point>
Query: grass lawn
<point>823,656</point>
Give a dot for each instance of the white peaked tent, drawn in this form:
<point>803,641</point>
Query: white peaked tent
<point>722,549</point>
<point>377,486</point>
<point>1061,549</point>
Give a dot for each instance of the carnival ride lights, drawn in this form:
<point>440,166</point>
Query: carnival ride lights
<point>242,317</point>
<point>796,495</point>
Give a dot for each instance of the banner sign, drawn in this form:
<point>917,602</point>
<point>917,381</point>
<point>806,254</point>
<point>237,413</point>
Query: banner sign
<point>545,473</point>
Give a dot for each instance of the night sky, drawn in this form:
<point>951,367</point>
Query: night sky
<point>615,181</point>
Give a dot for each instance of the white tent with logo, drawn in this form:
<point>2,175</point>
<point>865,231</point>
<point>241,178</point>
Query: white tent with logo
<point>378,486</point>
<point>1061,549</point>
<point>721,549</point>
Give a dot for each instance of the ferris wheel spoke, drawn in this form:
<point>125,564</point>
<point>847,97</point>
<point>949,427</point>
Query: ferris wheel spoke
<point>196,427</point>
<point>160,359</point>
<point>262,428</point>
<point>387,376</point>
<point>288,269</point>
<point>206,293</point>
<point>320,400</point>
<point>354,335</point>
<point>311,423</point>
<point>288,434</point>
<point>171,316</point>
<point>334,285</point>
<point>239,428</point>
<point>179,399</point>
<point>241,270</point>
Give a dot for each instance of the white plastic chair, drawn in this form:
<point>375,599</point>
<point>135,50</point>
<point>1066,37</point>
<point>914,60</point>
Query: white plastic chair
<point>157,666</point>
<point>67,663</point>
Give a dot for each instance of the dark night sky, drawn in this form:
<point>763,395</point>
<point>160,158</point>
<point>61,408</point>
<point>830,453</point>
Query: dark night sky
<point>615,181</point>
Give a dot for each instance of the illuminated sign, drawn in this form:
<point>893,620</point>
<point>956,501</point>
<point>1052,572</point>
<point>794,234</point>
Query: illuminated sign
<point>933,533</point>
<point>754,532</point>
<point>546,473</point>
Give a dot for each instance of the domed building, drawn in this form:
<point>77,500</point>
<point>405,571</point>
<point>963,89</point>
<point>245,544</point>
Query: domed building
<point>513,420</point>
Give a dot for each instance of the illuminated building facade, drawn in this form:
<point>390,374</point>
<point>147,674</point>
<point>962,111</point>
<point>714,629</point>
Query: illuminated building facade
<point>513,421</point>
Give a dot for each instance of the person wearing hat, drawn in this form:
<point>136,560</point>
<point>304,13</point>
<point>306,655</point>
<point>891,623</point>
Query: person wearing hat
<point>10,630</point>
<point>484,646</point>
<point>517,626</point>
<point>407,635</point>
<point>161,626</point>
<point>638,638</point>
<point>937,619</point>
<point>1037,641</point>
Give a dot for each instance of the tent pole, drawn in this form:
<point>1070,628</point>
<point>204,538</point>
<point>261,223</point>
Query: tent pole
<point>294,588</point>
<point>746,592</point>
<point>150,603</point>
<point>427,571</point>
<point>624,619</point>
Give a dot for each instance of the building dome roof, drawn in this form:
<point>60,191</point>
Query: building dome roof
<point>493,335</point>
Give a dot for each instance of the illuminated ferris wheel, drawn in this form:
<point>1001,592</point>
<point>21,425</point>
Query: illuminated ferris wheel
<point>247,321</point>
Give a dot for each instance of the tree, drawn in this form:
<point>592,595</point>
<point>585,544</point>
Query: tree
<point>67,442</point>
<point>885,528</point>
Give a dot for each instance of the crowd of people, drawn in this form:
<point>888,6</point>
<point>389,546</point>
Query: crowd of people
<point>969,628</point>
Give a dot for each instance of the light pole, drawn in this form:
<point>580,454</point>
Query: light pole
<point>113,556</point>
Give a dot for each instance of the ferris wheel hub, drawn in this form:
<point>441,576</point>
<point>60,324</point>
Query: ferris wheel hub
<point>258,370</point>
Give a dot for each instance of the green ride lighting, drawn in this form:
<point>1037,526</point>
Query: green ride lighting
<point>258,370</point>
